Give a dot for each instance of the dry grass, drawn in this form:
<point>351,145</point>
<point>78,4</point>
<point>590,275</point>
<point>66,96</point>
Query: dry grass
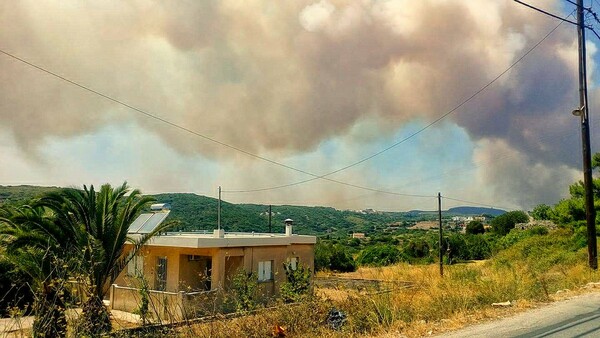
<point>434,305</point>
<point>533,272</point>
<point>536,271</point>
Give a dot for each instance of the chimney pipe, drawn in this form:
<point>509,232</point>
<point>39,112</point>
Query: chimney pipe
<point>288,226</point>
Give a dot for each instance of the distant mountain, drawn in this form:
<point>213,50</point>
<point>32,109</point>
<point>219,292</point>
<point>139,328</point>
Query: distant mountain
<point>476,211</point>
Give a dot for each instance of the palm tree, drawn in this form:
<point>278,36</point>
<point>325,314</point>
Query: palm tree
<point>103,218</point>
<point>38,246</point>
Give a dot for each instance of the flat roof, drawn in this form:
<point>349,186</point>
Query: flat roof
<point>230,239</point>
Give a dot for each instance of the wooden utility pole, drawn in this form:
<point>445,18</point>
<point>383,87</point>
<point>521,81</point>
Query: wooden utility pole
<point>270,213</point>
<point>583,112</point>
<point>441,234</point>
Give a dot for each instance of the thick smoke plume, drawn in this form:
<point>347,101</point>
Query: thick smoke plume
<point>280,78</point>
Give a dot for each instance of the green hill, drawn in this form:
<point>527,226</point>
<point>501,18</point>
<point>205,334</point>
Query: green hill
<point>195,212</point>
<point>22,193</point>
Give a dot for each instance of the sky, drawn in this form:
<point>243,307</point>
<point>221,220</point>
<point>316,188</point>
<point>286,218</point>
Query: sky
<point>261,96</point>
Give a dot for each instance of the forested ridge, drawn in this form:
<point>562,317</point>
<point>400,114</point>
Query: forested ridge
<point>196,212</point>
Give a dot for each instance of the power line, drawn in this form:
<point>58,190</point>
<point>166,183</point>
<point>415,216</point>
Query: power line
<point>147,114</point>
<point>315,176</point>
<point>476,203</point>
<point>411,135</point>
<point>546,12</point>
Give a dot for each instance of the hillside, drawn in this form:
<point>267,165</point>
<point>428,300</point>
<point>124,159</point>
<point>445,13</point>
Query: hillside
<point>466,211</point>
<point>20,193</point>
<point>195,212</point>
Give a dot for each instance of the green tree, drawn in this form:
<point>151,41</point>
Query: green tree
<point>474,228</point>
<point>341,260</point>
<point>569,211</point>
<point>417,248</point>
<point>38,246</point>
<point>102,219</point>
<point>505,222</point>
<point>380,255</point>
<point>322,255</point>
<point>541,212</point>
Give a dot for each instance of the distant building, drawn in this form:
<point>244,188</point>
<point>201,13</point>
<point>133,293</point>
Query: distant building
<point>359,235</point>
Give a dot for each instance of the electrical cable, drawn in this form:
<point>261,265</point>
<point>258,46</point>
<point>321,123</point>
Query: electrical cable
<point>315,176</point>
<point>105,96</point>
<point>411,135</point>
<point>545,12</point>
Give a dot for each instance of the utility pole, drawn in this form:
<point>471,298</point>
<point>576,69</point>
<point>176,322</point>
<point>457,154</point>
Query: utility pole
<point>441,235</point>
<point>219,210</point>
<point>270,213</point>
<point>583,112</point>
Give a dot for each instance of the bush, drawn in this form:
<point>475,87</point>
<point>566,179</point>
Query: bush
<point>322,255</point>
<point>380,255</point>
<point>468,247</point>
<point>243,295</point>
<point>474,228</point>
<point>341,260</point>
<point>416,248</point>
<point>333,257</point>
<point>541,212</point>
<point>15,290</point>
<point>297,287</point>
<point>515,236</point>
<point>504,223</point>
<point>542,262</point>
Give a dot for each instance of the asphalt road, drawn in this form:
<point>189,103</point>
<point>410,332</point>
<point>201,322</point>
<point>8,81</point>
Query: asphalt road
<point>575,317</point>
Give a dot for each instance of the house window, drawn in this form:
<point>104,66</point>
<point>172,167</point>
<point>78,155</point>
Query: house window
<point>265,271</point>
<point>135,267</point>
<point>293,262</point>
<point>161,273</point>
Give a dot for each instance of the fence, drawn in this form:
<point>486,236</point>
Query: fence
<point>162,305</point>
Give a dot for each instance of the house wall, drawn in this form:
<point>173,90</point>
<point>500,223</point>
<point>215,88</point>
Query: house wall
<point>183,275</point>
<point>279,255</point>
<point>174,260</point>
<point>164,305</point>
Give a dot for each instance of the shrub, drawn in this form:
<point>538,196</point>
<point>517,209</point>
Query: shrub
<point>341,260</point>
<point>380,255</point>
<point>474,228</point>
<point>469,247</point>
<point>515,236</point>
<point>243,295</point>
<point>297,287</point>
<point>416,248</point>
<point>333,257</point>
<point>504,223</point>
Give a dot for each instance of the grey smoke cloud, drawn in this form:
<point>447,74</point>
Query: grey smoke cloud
<point>279,78</point>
